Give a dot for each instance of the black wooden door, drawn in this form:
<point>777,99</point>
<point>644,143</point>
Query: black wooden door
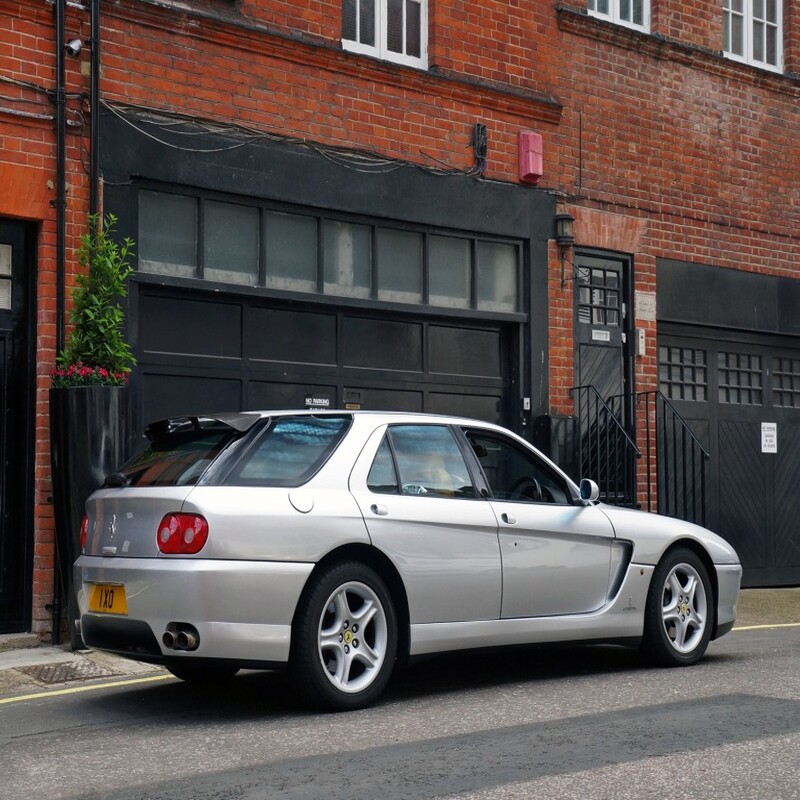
<point>604,397</point>
<point>601,304</point>
<point>15,416</point>
<point>729,388</point>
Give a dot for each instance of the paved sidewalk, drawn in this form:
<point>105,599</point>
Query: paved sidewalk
<point>29,668</point>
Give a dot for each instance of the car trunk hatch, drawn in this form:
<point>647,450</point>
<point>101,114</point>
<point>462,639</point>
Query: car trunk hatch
<point>124,522</point>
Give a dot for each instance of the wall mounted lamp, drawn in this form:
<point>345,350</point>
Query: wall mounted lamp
<point>565,237</point>
<point>565,230</point>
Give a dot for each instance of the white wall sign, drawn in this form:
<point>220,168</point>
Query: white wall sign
<point>769,437</point>
<point>646,306</point>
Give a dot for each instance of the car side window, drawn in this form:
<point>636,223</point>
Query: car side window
<point>514,473</point>
<point>382,476</point>
<point>420,460</point>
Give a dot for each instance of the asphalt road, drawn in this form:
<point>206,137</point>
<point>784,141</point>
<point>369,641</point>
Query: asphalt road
<point>586,723</point>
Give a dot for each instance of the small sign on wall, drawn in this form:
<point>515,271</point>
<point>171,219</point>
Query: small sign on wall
<point>646,306</point>
<point>317,401</point>
<point>769,437</point>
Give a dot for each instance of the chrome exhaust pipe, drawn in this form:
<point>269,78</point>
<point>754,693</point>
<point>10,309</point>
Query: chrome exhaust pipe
<point>181,636</point>
<point>186,640</point>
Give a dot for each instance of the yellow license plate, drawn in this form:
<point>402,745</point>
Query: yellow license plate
<point>107,598</point>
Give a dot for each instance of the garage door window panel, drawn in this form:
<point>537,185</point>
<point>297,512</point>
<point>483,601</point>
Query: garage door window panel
<point>786,382</point>
<point>168,234</point>
<point>399,261</point>
<point>291,252</point>
<point>740,379</point>
<point>497,276</point>
<point>449,272</point>
<point>347,259</point>
<point>230,243</point>
<point>683,373</point>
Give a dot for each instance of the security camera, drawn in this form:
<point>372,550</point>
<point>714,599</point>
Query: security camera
<point>74,47</point>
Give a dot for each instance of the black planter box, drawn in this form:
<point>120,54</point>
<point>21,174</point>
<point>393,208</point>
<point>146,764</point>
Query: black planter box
<point>89,438</point>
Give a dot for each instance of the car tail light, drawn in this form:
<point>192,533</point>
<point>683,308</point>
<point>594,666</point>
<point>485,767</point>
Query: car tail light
<point>84,532</point>
<point>182,534</point>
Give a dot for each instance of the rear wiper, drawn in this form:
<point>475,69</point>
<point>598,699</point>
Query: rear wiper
<point>116,480</point>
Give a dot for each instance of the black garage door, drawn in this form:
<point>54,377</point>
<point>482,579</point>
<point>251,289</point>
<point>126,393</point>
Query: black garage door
<point>741,396</point>
<point>200,352</point>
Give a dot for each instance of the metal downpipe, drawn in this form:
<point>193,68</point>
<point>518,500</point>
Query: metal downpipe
<point>61,202</point>
<point>94,112</point>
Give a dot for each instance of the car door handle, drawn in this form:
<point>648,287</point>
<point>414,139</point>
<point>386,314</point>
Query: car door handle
<point>509,519</point>
<point>381,511</point>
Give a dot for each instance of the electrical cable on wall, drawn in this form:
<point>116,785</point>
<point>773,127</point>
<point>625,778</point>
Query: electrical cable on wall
<point>168,123</point>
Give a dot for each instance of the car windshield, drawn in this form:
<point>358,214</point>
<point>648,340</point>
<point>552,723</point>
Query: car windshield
<point>180,450</point>
<point>290,451</point>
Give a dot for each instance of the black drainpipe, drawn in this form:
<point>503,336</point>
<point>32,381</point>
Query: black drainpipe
<point>61,204</point>
<point>94,112</point>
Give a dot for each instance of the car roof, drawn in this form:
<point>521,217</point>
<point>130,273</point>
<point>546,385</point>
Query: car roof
<point>371,413</point>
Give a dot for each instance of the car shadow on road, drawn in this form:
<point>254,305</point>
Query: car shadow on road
<point>260,694</point>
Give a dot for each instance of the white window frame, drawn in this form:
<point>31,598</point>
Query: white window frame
<point>746,11</point>
<point>380,49</point>
<point>615,13</point>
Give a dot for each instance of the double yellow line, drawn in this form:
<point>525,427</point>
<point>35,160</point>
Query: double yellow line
<point>153,678</point>
<point>768,626</point>
<point>78,689</point>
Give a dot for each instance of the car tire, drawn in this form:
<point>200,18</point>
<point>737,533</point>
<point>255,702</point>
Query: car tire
<point>679,615</point>
<point>344,640</point>
<point>203,674</point>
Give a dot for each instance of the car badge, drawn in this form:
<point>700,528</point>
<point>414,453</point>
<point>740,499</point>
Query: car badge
<point>112,528</point>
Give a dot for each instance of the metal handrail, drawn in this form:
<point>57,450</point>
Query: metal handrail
<point>679,457</point>
<point>607,453</point>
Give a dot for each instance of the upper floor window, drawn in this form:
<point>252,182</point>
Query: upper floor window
<point>752,32</point>
<point>631,13</point>
<point>394,30</point>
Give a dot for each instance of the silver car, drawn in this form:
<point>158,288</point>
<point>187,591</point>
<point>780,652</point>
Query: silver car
<point>338,544</point>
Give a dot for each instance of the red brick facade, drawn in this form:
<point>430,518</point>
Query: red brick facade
<point>655,143</point>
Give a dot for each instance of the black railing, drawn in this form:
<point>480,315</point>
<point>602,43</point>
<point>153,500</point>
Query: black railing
<point>678,458</point>
<point>606,453</point>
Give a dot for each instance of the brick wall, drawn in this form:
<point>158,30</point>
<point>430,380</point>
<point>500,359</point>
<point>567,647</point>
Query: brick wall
<point>657,145</point>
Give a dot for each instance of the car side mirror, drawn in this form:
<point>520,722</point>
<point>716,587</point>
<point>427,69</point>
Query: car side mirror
<point>590,491</point>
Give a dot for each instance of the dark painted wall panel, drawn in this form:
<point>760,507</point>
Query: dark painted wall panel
<point>726,298</point>
<point>383,399</point>
<point>274,394</point>
<point>190,327</point>
<point>464,351</point>
<point>381,344</point>
<point>485,407</point>
<point>301,337</point>
<point>170,395</point>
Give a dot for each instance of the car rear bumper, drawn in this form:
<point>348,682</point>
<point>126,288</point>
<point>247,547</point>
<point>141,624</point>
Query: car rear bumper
<point>242,611</point>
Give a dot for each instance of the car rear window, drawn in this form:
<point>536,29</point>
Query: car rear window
<point>180,451</point>
<point>290,451</point>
